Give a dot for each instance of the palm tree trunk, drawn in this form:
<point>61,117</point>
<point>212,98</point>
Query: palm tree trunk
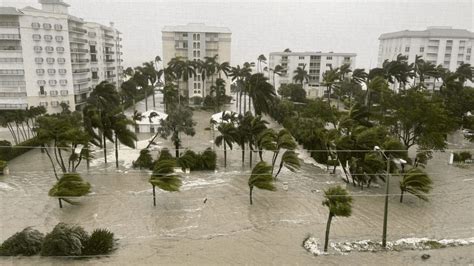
<point>328,227</point>
<point>245,103</point>
<point>243,154</point>
<point>52,163</point>
<point>176,146</point>
<point>146,100</point>
<point>116,152</point>
<point>250,156</point>
<point>401,197</point>
<point>279,169</point>
<point>225,155</point>
<point>329,95</point>
<point>105,148</point>
<point>251,189</point>
<point>154,105</point>
<point>154,196</point>
<point>60,203</point>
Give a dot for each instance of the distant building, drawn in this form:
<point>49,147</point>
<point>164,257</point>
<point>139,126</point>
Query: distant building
<point>315,63</point>
<point>195,41</point>
<point>48,57</point>
<point>439,45</point>
<point>150,121</point>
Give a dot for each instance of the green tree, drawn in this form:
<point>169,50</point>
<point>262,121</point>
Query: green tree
<point>339,203</point>
<point>69,185</point>
<point>163,177</point>
<point>415,181</point>
<point>261,178</point>
<point>301,75</point>
<point>261,93</point>
<point>227,136</point>
<point>290,160</point>
<point>120,126</point>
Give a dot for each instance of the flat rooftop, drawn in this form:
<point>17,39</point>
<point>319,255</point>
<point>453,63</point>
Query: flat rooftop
<point>430,32</point>
<point>196,27</point>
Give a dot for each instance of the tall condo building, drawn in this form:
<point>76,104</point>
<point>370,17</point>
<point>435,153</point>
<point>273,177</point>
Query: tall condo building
<point>195,41</point>
<point>48,57</point>
<point>439,45</point>
<point>315,63</point>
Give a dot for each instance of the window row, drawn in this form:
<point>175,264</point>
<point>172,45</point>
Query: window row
<point>11,60</point>
<point>50,60</point>
<point>46,26</point>
<point>51,71</point>
<point>196,45</point>
<point>196,36</point>
<point>49,49</point>
<point>196,53</point>
<point>12,72</point>
<point>48,38</point>
<point>197,86</point>
<point>53,103</point>
<point>52,82</point>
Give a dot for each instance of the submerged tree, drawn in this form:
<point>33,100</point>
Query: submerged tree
<point>163,177</point>
<point>415,181</point>
<point>261,178</point>
<point>227,137</point>
<point>339,203</point>
<point>69,185</point>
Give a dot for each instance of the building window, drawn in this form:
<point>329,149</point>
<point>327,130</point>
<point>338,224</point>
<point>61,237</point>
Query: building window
<point>468,50</point>
<point>301,65</point>
<point>198,53</point>
<point>91,34</point>
<point>60,49</point>
<point>55,103</point>
<point>47,26</point>
<point>64,92</point>
<point>422,49</point>
<point>58,26</point>
<point>53,93</point>
<point>35,25</point>
<point>301,58</point>
<point>38,49</point>
<point>315,57</point>
<point>50,60</point>
<point>41,82</point>
<point>185,35</point>
<point>468,58</point>
<point>51,71</point>
<point>39,60</point>
<point>95,75</point>
<point>61,60</point>
<point>40,72</point>
<point>62,71</point>
<point>449,42</point>
<point>59,38</point>
<point>48,38</point>
<point>36,37</point>
<point>407,49</point>
<point>52,82</point>
<point>49,49</point>
<point>92,48</point>
<point>43,103</point>
<point>328,57</point>
<point>63,82</point>
<point>329,65</point>
<point>93,58</point>
<point>347,59</point>
<point>66,102</point>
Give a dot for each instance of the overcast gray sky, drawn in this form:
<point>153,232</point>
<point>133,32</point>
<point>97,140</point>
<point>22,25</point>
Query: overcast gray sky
<point>261,27</point>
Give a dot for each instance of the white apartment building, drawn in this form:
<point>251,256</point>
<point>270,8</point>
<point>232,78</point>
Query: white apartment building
<point>439,45</point>
<point>195,41</point>
<point>48,57</point>
<point>315,63</point>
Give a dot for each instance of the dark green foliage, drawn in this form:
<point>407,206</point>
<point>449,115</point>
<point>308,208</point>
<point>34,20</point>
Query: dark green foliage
<point>416,182</point>
<point>3,164</point>
<point>465,155</point>
<point>261,178</point>
<point>65,240</point>
<point>100,242</point>
<point>70,185</point>
<point>198,161</point>
<point>26,243</point>
<point>164,177</point>
<point>338,201</point>
<point>8,154</point>
<point>189,160</point>
<point>144,160</point>
<point>208,159</point>
<point>165,155</point>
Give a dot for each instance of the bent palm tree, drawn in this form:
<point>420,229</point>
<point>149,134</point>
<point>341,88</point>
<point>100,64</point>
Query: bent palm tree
<point>227,137</point>
<point>261,178</point>
<point>69,185</point>
<point>290,160</point>
<point>163,176</point>
<point>416,182</point>
<point>339,203</point>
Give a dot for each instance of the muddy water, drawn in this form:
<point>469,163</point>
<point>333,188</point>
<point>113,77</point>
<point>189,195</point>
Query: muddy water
<point>182,229</point>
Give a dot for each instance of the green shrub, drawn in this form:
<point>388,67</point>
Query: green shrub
<point>65,240</point>
<point>465,155</point>
<point>144,160</point>
<point>100,242</point>
<point>196,100</point>
<point>208,159</point>
<point>26,243</point>
<point>165,154</point>
<point>3,164</point>
<point>189,160</point>
<point>8,153</point>
<point>456,157</point>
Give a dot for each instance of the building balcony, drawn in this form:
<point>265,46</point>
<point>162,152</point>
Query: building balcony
<point>109,52</point>
<point>78,40</point>
<point>13,106</point>
<point>77,30</point>
<point>10,49</point>
<point>111,76</point>
<point>82,90</point>
<point>9,24</point>
<point>79,61</point>
<point>12,83</point>
<point>16,37</point>
<point>12,72</point>
<point>81,71</point>
<point>79,51</point>
<point>108,44</point>
<point>12,94</point>
<point>109,60</point>
<point>108,36</point>
<point>81,81</point>
<point>95,78</point>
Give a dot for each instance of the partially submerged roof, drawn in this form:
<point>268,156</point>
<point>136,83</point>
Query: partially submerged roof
<point>196,27</point>
<point>10,11</point>
<point>430,32</point>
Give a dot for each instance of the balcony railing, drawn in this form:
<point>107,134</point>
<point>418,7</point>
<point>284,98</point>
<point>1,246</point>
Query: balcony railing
<point>79,51</point>
<point>79,61</point>
<point>109,52</point>
<point>78,30</point>
<point>82,90</point>
<point>78,40</point>
<point>111,76</point>
<point>10,37</point>
<point>108,36</point>
<point>12,94</point>
<point>12,83</point>
<point>81,81</point>
<point>12,72</point>
<point>109,60</point>
<point>9,24</point>
<point>13,106</point>
<point>80,71</point>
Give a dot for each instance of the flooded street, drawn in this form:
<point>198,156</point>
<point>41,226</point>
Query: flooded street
<point>185,229</point>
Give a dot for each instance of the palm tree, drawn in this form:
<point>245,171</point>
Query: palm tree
<point>423,69</point>
<point>330,77</point>
<point>227,137</point>
<point>238,74</point>
<point>163,177</point>
<point>416,182</point>
<point>284,140</point>
<point>278,70</point>
<point>261,178</point>
<point>256,127</point>
<point>465,72</point>
<point>120,126</point>
<point>301,75</point>
<point>69,185</point>
<point>261,59</point>
<point>261,92</point>
<point>339,203</point>
<point>290,160</point>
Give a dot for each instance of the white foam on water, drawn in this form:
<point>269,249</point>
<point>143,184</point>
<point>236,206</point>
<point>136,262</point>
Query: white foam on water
<point>200,182</point>
<point>6,187</point>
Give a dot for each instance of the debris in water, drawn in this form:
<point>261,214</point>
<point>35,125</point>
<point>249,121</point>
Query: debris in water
<point>425,256</point>
<point>205,200</point>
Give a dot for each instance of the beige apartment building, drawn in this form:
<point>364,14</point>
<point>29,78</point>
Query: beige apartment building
<point>48,57</point>
<point>196,41</point>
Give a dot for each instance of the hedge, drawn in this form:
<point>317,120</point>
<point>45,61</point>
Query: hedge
<point>10,153</point>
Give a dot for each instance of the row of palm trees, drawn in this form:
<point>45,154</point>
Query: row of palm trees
<point>21,123</point>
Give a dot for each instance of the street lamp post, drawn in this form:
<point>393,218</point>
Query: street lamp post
<point>387,180</point>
